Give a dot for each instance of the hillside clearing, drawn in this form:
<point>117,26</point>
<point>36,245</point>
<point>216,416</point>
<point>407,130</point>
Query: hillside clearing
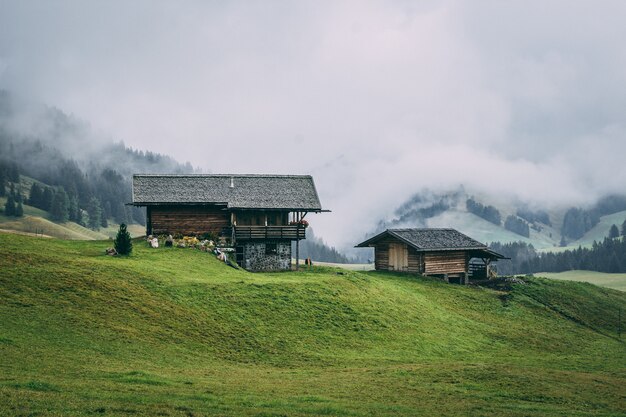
<point>615,281</point>
<point>174,332</point>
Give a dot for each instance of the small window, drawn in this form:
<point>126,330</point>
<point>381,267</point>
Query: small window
<point>270,249</point>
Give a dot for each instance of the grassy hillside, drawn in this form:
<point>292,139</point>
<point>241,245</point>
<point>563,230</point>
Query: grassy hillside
<point>174,332</point>
<point>615,281</point>
<point>601,230</point>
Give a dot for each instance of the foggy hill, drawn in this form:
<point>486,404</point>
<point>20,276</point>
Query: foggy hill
<point>489,219</point>
<point>83,171</point>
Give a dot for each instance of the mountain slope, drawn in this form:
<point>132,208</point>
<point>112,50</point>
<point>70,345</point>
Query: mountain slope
<point>429,209</point>
<point>175,332</point>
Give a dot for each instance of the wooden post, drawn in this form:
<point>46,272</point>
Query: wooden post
<point>148,221</point>
<point>297,254</point>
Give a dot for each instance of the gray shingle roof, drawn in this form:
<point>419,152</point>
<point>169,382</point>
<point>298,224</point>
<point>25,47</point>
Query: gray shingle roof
<point>429,239</point>
<point>247,192</point>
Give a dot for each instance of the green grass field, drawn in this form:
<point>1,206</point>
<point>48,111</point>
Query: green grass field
<point>174,332</point>
<point>615,281</point>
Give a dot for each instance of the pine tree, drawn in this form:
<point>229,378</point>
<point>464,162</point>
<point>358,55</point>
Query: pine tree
<point>74,210</point>
<point>59,211</point>
<point>9,206</point>
<point>19,210</point>
<point>35,195</point>
<point>613,232</point>
<point>94,211</point>
<point>123,243</point>
<point>624,228</point>
<point>3,190</point>
<point>103,221</point>
<point>46,199</point>
<point>18,195</point>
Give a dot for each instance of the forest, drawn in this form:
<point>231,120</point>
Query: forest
<point>609,255</point>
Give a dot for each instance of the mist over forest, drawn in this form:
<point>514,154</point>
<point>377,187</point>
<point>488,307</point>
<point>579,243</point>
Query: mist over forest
<point>79,172</point>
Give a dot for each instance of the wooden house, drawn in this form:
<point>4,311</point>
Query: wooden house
<point>446,253</point>
<point>257,215</point>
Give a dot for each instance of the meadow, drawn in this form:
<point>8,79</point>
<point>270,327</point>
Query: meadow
<point>174,332</point>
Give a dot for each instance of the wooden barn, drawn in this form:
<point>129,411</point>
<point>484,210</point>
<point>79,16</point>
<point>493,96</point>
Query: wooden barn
<point>257,215</point>
<point>446,253</point>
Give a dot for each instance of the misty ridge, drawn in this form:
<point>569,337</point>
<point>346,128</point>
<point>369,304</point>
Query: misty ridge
<point>88,173</point>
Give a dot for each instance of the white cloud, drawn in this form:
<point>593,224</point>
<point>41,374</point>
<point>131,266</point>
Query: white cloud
<point>376,99</point>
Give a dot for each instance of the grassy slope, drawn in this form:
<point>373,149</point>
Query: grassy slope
<point>175,332</point>
<point>601,230</point>
<point>615,281</point>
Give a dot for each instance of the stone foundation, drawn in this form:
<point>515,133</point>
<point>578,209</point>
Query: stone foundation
<point>266,256</point>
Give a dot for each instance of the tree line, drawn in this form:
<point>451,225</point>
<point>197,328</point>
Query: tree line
<point>609,255</point>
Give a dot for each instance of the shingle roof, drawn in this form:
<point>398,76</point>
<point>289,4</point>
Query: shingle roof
<point>429,239</point>
<point>295,192</point>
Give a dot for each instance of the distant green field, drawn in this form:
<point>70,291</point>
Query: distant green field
<point>174,332</point>
<point>615,281</point>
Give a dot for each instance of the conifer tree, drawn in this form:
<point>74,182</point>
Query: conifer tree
<point>94,211</point>
<point>59,210</point>
<point>46,199</point>
<point>9,206</point>
<point>3,190</point>
<point>123,243</point>
<point>613,232</point>
<point>35,195</point>
<point>624,228</point>
<point>19,210</point>
<point>74,210</point>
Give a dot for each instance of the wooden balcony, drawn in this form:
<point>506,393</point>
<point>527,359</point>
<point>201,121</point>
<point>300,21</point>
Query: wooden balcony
<point>290,232</point>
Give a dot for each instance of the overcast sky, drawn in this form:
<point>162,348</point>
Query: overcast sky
<point>375,99</point>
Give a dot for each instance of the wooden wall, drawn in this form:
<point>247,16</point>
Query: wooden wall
<point>445,262</point>
<point>188,220</point>
<point>381,254</point>
<point>435,263</point>
<point>416,261</point>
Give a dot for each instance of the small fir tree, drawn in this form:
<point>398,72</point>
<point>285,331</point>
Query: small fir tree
<point>123,243</point>
<point>35,196</point>
<point>9,206</point>
<point>613,232</point>
<point>3,180</point>
<point>19,210</point>
<point>46,199</point>
<point>60,206</point>
<point>94,211</point>
<point>624,228</point>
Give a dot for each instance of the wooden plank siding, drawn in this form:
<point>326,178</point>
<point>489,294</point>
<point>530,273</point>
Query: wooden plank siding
<point>428,263</point>
<point>416,261</point>
<point>381,254</point>
<point>445,262</point>
<point>188,220</point>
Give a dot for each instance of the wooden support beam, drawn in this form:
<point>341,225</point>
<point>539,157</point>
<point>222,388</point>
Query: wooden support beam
<point>297,254</point>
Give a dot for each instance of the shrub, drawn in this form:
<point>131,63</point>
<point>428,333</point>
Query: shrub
<point>123,243</point>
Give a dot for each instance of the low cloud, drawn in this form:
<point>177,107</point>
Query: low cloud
<point>377,100</point>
